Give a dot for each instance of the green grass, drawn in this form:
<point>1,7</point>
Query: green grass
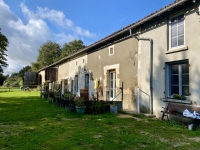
<point>28,122</point>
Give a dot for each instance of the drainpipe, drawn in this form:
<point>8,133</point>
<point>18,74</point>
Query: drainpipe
<point>151,68</point>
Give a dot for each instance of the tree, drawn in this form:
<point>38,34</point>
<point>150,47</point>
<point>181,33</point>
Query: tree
<point>35,66</point>
<point>71,47</point>
<point>49,53</point>
<point>3,44</point>
<point>3,78</point>
<point>23,70</point>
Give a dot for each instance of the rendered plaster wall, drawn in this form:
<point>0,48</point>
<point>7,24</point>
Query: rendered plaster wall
<point>63,72</point>
<point>124,62</point>
<point>158,31</point>
<point>42,73</point>
<point>75,67</point>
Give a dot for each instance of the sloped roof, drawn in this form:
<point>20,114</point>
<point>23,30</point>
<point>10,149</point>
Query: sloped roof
<point>133,25</point>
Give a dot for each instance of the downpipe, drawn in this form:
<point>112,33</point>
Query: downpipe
<point>151,69</point>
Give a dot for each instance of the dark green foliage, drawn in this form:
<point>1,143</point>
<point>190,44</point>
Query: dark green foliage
<point>79,101</point>
<point>13,81</point>
<point>23,70</point>
<point>181,97</point>
<point>71,47</point>
<point>96,107</point>
<point>49,53</point>
<point>2,79</point>
<point>3,48</point>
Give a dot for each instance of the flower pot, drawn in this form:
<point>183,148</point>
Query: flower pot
<point>80,109</point>
<point>113,109</point>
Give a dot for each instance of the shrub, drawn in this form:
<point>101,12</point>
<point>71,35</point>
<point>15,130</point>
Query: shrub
<point>96,107</point>
<point>79,101</point>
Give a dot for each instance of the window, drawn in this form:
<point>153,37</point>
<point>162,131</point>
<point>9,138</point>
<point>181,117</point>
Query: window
<point>111,50</point>
<point>177,34</point>
<point>72,84</point>
<point>178,78</point>
<point>76,83</point>
<point>87,81</point>
<point>112,84</point>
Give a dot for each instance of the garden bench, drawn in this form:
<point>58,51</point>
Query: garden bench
<point>175,110</point>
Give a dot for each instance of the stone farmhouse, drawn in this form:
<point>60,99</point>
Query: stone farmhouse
<point>154,57</point>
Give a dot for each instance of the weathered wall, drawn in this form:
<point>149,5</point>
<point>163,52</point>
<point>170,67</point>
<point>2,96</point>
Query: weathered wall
<point>69,69</point>
<point>158,31</point>
<point>42,73</point>
<point>124,62</point>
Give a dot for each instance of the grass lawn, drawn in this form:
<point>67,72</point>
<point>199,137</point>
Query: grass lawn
<point>28,122</point>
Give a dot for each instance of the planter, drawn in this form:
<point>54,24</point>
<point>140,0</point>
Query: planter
<point>113,109</point>
<point>80,109</point>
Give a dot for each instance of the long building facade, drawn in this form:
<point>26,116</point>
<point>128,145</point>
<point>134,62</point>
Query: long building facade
<point>154,58</point>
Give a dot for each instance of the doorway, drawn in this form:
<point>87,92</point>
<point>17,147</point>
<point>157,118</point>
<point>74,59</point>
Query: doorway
<point>112,84</point>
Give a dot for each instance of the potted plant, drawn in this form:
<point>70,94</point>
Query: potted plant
<point>113,108</point>
<point>80,105</point>
<point>180,97</point>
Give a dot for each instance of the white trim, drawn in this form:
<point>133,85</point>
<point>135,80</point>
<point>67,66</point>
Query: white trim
<point>111,47</point>
<point>65,78</point>
<point>114,85</point>
<point>169,38</point>
<point>177,49</point>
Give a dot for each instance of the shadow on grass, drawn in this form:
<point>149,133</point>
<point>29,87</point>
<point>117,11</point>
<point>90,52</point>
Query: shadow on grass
<point>30,108</point>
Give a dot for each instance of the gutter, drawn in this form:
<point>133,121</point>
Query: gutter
<point>151,69</point>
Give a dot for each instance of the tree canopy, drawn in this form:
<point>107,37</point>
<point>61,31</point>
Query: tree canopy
<point>51,52</point>
<point>23,70</point>
<point>3,48</point>
<point>71,47</point>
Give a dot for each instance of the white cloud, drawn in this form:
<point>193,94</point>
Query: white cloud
<point>55,17</point>
<point>26,38</point>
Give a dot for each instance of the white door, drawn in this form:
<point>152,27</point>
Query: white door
<point>112,80</point>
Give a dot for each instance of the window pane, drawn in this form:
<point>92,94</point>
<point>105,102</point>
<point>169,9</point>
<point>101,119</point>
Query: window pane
<point>174,79</point>
<point>174,22</point>
<point>181,19</point>
<point>174,90</point>
<point>111,84</point>
<point>111,92</point>
<point>174,32</point>
<point>185,90</point>
<point>86,81</point>
<point>174,42</point>
<point>185,68</point>
<point>111,76</point>
<point>174,69</point>
<point>181,40</point>
<point>185,79</point>
<point>181,30</point>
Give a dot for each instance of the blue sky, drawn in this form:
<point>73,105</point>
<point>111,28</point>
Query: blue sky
<point>29,23</point>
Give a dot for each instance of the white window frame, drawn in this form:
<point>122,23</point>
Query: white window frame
<point>113,85</point>
<point>87,81</point>
<point>168,77</point>
<point>170,36</point>
<point>111,48</point>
